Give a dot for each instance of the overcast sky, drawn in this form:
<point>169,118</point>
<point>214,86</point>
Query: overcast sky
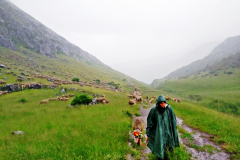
<point>118,31</point>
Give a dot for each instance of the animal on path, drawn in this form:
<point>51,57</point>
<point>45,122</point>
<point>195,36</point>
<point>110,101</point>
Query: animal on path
<point>138,126</point>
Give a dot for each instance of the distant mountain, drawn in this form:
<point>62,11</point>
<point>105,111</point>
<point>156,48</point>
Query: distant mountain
<point>231,61</point>
<point>18,29</point>
<point>227,47</point>
<point>153,67</point>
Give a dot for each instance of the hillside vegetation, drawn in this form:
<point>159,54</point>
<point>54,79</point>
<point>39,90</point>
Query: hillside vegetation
<point>230,46</point>
<point>217,90</point>
<point>54,130</point>
<point>62,67</point>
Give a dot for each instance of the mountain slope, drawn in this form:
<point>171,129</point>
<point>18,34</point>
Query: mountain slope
<point>152,66</point>
<point>30,42</point>
<point>20,29</point>
<point>229,46</point>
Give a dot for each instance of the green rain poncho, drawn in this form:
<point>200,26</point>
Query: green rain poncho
<point>162,129</point>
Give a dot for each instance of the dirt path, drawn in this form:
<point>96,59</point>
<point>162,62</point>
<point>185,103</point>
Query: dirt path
<point>200,139</point>
<point>144,113</point>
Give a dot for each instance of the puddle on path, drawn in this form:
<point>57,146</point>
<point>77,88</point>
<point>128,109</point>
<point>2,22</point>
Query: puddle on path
<point>201,139</point>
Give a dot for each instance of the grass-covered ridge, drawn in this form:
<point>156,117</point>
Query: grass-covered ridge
<point>219,90</point>
<point>53,131</point>
<point>62,67</point>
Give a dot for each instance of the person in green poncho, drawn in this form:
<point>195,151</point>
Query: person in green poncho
<point>162,129</point>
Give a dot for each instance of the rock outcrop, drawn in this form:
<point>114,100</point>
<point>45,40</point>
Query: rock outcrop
<point>20,29</point>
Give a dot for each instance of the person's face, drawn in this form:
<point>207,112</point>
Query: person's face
<point>162,104</point>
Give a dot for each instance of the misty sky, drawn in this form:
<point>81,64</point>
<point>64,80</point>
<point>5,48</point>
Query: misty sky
<point>135,31</point>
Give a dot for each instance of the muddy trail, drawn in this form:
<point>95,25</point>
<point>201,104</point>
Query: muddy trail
<point>199,145</point>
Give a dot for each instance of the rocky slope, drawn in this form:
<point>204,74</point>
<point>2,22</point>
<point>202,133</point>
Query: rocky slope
<point>18,29</point>
<point>228,47</point>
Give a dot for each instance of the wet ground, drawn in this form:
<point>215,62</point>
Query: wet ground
<point>200,139</point>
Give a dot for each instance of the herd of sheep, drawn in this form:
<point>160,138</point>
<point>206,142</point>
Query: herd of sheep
<point>63,98</point>
<point>137,97</point>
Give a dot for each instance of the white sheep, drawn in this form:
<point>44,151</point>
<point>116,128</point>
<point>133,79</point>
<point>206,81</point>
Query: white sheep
<point>44,101</point>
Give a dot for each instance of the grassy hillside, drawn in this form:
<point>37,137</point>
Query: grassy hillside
<point>218,90</point>
<point>62,67</point>
<point>56,132</point>
<point>229,46</point>
<point>224,128</point>
<point>53,131</point>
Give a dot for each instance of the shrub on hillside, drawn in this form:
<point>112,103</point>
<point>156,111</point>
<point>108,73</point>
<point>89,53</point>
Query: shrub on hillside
<point>75,79</point>
<point>97,80</point>
<point>23,100</point>
<point>114,84</point>
<point>226,107</point>
<point>127,113</point>
<point>81,99</point>
<point>195,97</point>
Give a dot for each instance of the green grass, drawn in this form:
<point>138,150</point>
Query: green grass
<point>179,153</point>
<point>224,127</point>
<point>190,142</point>
<point>53,131</point>
<point>59,66</point>
<point>221,93</point>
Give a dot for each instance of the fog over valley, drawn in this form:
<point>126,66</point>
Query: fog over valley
<point>97,80</point>
<point>138,33</point>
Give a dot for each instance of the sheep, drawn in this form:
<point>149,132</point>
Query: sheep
<point>178,100</point>
<point>132,102</point>
<point>103,95</point>
<point>20,79</point>
<point>71,95</point>
<point>64,99</point>
<point>101,99</point>
<point>107,101</point>
<point>138,126</point>
<point>23,86</point>
<point>3,82</point>
<point>151,101</point>
<point>139,98</point>
<point>130,96</point>
<point>53,99</point>
<point>65,96</point>
<point>168,98</point>
<point>4,92</point>
<point>44,101</point>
